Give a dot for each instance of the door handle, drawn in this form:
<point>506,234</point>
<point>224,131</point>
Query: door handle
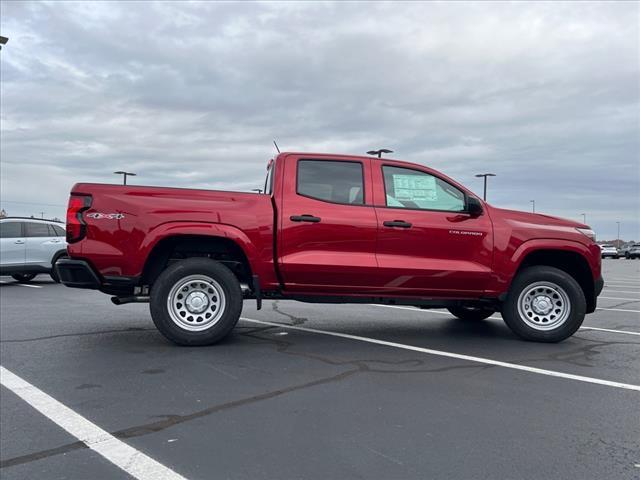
<point>397,223</point>
<point>304,218</point>
<point>19,242</point>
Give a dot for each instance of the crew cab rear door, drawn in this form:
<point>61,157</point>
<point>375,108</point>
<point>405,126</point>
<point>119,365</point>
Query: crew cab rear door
<point>42,243</point>
<point>427,244</point>
<point>328,226</point>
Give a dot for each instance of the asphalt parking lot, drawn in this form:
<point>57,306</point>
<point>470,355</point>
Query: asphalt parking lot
<point>322,392</point>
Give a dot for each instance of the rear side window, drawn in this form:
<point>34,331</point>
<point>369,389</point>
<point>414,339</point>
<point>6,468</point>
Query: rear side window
<point>407,188</point>
<point>10,229</point>
<point>58,231</point>
<point>331,181</point>
<point>37,230</point>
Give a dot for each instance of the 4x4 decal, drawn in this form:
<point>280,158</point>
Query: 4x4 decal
<point>109,216</point>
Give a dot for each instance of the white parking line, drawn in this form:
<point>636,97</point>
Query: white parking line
<point>26,285</point>
<point>614,290</point>
<point>618,310</point>
<point>619,298</point>
<point>609,330</point>
<point>132,461</point>
<point>612,281</point>
<point>413,309</point>
<point>440,353</point>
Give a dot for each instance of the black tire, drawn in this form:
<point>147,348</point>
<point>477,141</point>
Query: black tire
<point>627,256</point>
<point>24,277</point>
<point>471,313</point>
<point>54,274</point>
<point>179,272</point>
<point>574,297</point>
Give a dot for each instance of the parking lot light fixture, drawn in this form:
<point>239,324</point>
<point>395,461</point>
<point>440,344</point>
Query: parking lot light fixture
<point>485,175</point>
<point>379,153</point>
<point>125,175</point>
<point>3,41</point>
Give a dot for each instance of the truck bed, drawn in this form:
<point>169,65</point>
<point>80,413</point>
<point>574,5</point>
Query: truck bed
<point>117,245</point>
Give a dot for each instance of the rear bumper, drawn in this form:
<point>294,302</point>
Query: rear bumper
<point>77,274</point>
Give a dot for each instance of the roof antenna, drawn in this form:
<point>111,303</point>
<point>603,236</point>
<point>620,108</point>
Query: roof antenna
<point>274,142</point>
<point>379,153</point>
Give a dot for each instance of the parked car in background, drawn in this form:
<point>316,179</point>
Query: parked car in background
<point>609,251</point>
<point>633,251</point>
<point>29,246</point>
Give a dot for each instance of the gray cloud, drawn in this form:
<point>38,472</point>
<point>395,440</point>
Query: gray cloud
<point>545,95</point>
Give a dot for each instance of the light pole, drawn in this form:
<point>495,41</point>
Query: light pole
<point>485,175</point>
<point>533,206</point>
<point>379,153</point>
<point>618,242</point>
<point>125,175</point>
<point>584,218</point>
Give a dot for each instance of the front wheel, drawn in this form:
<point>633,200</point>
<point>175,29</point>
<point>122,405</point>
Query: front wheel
<point>196,301</point>
<point>24,277</point>
<point>471,313</point>
<point>544,304</point>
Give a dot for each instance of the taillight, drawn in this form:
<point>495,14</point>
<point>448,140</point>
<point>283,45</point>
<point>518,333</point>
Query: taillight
<point>76,228</point>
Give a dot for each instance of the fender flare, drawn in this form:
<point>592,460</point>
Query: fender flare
<point>57,255</point>
<point>547,244</point>
<point>208,229</point>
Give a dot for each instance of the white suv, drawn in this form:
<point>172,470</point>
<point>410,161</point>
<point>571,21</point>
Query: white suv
<point>29,246</point>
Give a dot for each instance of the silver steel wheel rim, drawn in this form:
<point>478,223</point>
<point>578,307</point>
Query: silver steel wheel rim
<point>196,303</point>
<point>544,306</point>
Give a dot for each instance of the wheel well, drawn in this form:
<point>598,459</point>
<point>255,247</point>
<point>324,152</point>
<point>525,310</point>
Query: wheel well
<point>572,263</point>
<point>179,247</point>
<point>57,256</point>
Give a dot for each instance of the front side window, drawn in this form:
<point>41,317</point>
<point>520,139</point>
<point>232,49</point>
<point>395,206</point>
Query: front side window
<point>407,188</point>
<point>10,230</point>
<point>37,230</point>
<point>331,181</point>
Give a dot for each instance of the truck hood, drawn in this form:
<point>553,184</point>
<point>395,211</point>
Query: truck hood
<point>535,218</point>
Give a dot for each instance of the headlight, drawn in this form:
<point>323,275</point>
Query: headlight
<point>588,232</point>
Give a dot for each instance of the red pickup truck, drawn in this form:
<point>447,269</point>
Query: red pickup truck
<point>329,229</point>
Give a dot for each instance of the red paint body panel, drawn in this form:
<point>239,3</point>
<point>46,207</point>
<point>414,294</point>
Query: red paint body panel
<point>121,247</point>
<point>443,254</point>
<point>348,253</point>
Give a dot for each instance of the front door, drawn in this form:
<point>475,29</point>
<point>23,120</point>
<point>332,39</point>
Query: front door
<point>427,244</point>
<point>12,244</point>
<point>328,226</point>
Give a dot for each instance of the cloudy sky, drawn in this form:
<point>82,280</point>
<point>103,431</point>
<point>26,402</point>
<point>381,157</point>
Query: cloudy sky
<point>545,95</point>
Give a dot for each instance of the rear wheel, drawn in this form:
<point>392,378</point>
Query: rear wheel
<point>24,277</point>
<point>471,313</point>
<point>196,301</point>
<point>544,304</point>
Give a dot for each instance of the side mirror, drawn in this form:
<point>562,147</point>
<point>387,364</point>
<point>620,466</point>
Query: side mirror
<point>474,206</point>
